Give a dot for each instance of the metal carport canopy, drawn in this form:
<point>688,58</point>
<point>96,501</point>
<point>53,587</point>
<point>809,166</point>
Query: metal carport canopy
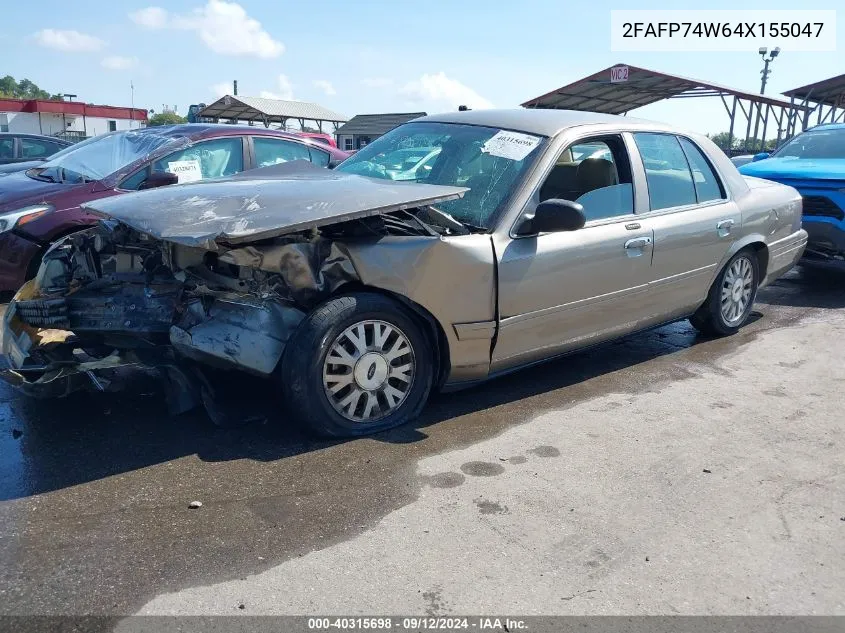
<point>604,92</point>
<point>269,111</point>
<point>828,91</point>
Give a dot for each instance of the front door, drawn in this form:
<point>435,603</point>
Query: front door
<point>564,290</point>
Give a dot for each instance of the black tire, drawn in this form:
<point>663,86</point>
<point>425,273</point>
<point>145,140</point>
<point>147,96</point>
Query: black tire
<point>302,367</point>
<point>709,318</point>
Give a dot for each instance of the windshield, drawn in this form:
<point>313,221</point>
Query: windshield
<point>823,143</point>
<point>97,157</point>
<point>489,161</point>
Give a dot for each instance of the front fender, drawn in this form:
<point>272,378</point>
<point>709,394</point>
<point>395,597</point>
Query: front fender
<point>453,278</point>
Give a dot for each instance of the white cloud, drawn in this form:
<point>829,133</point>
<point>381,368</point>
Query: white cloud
<point>222,89</point>
<point>68,41</point>
<point>116,62</point>
<point>376,82</point>
<point>325,86</point>
<point>285,90</point>
<point>151,17</point>
<point>223,26</point>
<point>442,90</point>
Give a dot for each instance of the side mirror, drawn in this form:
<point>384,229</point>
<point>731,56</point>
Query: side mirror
<point>159,179</point>
<point>760,156</point>
<point>554,215</point>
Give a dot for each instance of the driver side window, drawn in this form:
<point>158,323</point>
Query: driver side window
<point>595,173</point>
<point>209,159</point>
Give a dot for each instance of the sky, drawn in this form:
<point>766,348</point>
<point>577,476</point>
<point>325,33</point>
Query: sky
<point>365,56</point>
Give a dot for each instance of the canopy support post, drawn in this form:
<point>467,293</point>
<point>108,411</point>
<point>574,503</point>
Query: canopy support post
<point>748,127</point>
<point>765,125</point>
<point>731,130</point>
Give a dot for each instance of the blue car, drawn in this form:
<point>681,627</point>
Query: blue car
<point>814,163</point>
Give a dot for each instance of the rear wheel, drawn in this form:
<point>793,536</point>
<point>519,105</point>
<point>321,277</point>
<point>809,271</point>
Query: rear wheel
<point>356,365</point>
<point>731,297</point>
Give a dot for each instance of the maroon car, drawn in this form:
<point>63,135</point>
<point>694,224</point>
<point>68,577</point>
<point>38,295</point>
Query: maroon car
<point>41,204</point>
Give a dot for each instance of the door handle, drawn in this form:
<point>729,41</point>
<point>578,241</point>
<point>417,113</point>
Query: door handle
<point>724,227</point>
<point>637,242</point>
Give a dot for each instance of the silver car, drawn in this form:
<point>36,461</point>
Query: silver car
<point>534,233</point>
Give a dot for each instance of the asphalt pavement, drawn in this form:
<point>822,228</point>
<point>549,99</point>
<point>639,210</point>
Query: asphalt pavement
<point>663,473</point>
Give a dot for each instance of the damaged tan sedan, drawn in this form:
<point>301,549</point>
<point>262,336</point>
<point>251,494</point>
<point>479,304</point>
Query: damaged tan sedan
<point>451,250</point>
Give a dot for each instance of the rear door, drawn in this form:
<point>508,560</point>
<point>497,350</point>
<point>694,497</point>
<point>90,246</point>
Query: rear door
<point>694,222</point>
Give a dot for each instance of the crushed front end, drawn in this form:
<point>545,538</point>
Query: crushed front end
<point>111,296</point>
<point>212,274</point>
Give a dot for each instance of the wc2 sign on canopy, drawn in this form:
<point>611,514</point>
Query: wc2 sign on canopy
<point>618,74</point>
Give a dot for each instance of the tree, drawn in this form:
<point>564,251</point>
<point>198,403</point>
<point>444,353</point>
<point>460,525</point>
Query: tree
<point>23,89</point>
<point>721,139</point>
<point>166,118</point>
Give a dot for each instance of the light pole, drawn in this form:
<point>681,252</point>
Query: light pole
<point>765,73</point>
<point>766,61</point>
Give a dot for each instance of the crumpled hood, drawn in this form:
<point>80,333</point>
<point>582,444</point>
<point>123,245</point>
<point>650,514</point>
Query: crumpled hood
<point>796,169</point>
<point>264,203</point>
<point>19,190</point>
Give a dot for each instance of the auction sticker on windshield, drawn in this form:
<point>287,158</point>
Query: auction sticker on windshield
<point>511,145</point>
<point>185,170</point>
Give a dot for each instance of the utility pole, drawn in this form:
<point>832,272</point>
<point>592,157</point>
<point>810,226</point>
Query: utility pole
<point>765,73</point>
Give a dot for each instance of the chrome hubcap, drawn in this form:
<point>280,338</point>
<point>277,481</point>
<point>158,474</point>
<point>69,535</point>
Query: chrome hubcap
<point>737,288</point>
<point>369,371</point>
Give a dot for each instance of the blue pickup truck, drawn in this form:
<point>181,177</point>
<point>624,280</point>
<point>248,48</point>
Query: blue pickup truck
<point>814,163</point>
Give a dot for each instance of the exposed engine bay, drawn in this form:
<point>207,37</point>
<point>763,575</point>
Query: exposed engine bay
<point>112,295</point>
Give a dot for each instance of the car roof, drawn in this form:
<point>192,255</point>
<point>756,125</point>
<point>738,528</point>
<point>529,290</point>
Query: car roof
<point>194,132</point>
<point>202,130</point>
<point>44,137</point>
<point>827,126</point>
<point>544,122</point>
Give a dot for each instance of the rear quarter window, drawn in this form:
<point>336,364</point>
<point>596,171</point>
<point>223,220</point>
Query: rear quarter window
<point>707,184</point>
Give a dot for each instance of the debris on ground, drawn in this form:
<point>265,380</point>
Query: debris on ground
<point>707,470</point>
<point>195,504</point>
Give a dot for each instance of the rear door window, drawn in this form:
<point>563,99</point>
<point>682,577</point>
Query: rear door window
<point>272,151</point>
<point>319,157</point>
<point>670,182</point>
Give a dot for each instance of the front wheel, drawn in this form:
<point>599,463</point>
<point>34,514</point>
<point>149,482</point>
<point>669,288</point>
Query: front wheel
<point>731,297</point>
<point>356,365</point>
